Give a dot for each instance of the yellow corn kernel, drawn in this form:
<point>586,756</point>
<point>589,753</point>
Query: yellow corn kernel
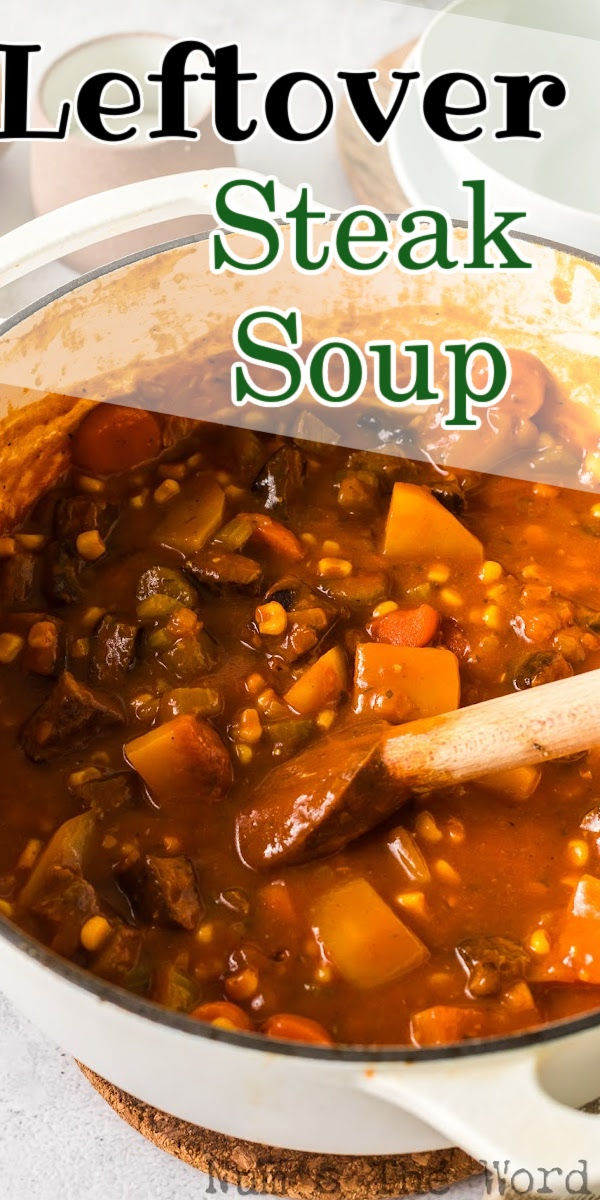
<point>413,902</point>
<point>233,492</point>
<point>90,545</point>
<point>195,460</point>
<point>490,572</point>
<point>175,470</point>
<point>334,568</point>
<point>330,547</point>
<point>223,477</point>
<point>91,617</point>
<point>456,830</point>
<point>88,484</point>
<point>427,828</point>
<point>205,934</point>
<point>595,511</point>
<point>326,718</point>
<point>497,592</point>
<point>451,598</point>
<point>140,498</point>
<point>309,539</point>
<point>80,647</point>
<point>438,573</point>
<point>271,618</point>
<point>109,842</point>
<point>226,1024</point>
<point>10,647</point>
<point>324,973</point>
<point>386,606</point>
<point>242,986</point>
<point>78,778</point>
<point>532,571</point>
<point>30,541</point>
<point>270,704</point>
<point>166,491</point>
<point>446,873</point>
<point>100,758</point>
<point>492,617</point>
<point>144,706</point>
<point>29,854</point>
<point>254,683</point>
<point>578,852</point>
<point>171,844</point>
<point>539,942</point>
<point>7,547</point>
<point>94,933</point>
<point>244,754</point>
<point>248,728</point>
<point>545,491</point>
<point>441,980</point>
<point>6,908</point>
<point>518,997</point>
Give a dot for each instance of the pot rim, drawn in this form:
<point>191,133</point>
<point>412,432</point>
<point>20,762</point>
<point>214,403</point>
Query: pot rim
<point>139,1006</point>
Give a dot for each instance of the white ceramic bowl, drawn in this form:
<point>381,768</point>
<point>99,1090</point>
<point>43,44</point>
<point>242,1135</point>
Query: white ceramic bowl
<point>555,180</point>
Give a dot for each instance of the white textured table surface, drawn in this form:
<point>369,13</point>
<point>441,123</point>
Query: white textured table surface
<point>58,1139</point>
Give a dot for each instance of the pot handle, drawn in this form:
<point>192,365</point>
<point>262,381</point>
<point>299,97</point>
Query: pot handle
<point>505,1111</point>
<point>109,214</point>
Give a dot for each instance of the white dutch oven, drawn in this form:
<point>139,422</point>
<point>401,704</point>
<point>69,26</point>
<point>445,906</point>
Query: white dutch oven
<point>508,1099</point>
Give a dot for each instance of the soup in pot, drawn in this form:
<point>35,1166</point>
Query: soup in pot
<point>177,623</point>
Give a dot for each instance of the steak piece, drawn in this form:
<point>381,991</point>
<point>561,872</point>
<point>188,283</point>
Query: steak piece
<point>64,906</point>
<point>280,479</point>
<point>165,891</point>
<point>109,793</point>
<point>19,577</point>
<point>78,514</point>
<point>491,963</point>
<point>70,715</point>
<point>114,649</point>
<point>61,576</point>
<point>221,570</point>
<point>121,960</point>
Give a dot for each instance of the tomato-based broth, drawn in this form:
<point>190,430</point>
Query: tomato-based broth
<point>178,623</point>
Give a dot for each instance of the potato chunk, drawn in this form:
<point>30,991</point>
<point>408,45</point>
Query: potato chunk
<point>321,684</point>
<point>183,759</point>
<point>404,683</point>
<point>419,528</point>
<point>367,943</point>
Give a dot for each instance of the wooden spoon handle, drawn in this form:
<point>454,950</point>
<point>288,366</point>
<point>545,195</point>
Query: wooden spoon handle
<point>515,730</point>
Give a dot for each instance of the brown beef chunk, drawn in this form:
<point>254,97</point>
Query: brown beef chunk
<point>61,576</point>
<point>280,479</point>
<point>76,514</point>
<point>114,649</point>
<point>164,891</point>
<point>65,905</point>
<point>103,796</point>
<point>220,570</point>
<point>491,963</point>
<point>120,958</point>
<point>19,581</point>
<point>70,715</point>
<point>544,666</point>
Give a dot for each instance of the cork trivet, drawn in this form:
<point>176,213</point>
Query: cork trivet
<point>288,1173</point>
<point>368,167</point>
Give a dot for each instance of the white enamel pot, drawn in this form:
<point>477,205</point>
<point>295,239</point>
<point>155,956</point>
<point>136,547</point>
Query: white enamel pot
<point>512,1099</point>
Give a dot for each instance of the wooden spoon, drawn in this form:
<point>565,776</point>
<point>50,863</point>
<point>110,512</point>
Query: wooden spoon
<point>353,779</point>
